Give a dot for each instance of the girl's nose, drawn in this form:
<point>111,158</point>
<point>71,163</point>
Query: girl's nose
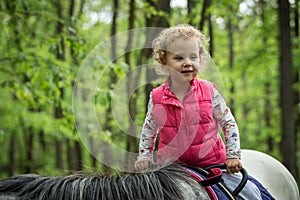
<point>187,63</point>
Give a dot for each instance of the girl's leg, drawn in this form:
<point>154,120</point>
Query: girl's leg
<point>249,192</point>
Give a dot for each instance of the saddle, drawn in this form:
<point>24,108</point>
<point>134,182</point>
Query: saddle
<point>211,179</point>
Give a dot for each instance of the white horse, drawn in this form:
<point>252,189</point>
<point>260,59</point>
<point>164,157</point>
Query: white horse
<point>171,182</point>
<point>271,174</point>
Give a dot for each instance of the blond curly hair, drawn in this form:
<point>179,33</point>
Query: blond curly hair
<point>167,36</point>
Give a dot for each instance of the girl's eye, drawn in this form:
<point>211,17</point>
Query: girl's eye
<point>178,58</point>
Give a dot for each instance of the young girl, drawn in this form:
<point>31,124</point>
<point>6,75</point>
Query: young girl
<point>186,111</point>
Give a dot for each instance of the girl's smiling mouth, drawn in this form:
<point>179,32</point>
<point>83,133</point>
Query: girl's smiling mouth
<point>187,71</point>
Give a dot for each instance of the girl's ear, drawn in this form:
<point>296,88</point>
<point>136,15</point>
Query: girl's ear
<point>162,59</point>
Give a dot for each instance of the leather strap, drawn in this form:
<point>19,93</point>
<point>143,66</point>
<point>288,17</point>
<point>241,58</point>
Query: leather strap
<point>214,176</point>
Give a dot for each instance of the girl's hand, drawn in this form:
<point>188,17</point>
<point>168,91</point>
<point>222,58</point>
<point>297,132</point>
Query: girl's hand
<point>142,164</point>
<point>233,165</point>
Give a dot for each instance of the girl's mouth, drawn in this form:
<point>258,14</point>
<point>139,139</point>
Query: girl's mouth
<point>187,71</point>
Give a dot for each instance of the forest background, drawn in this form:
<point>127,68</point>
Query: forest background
<point>43,43</point>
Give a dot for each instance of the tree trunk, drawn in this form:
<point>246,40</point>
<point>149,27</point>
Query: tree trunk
<point>191,4</point>
<point>205,15</point>
<point>72,33</point>
<point>74,155</point>
<point>267,89</point>
<point>131,140</point>
<point>80,11</point>
<point>113,79</point>
<point>59,153</point>
<point>113,32</point>
<point>29,153</point>
<point>231,57</point>
<point>267,115</point>
<point>206,4</point>
<point>92,155</point>
<point>78,155</point>
<point>288,143</point>
<point>75,150</point>
<point>11,155</point>
<point>60,55</point>
<point>28,141</point>
<point>69,154</point>
<point>154,21</point>
<point>11,8</point>
<point>245,105</point>
<point>297,80</point>
<point>211,36</point>
<point>58,114</point>
<point>42,140</point>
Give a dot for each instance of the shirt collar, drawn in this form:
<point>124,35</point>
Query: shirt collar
<point>170,98</point>
<point>193,83</point>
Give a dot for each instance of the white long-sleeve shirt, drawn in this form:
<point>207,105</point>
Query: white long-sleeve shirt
<point>220,111</point>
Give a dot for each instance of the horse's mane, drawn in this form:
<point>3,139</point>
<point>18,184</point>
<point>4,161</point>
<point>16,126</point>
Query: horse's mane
<point>157,184</point>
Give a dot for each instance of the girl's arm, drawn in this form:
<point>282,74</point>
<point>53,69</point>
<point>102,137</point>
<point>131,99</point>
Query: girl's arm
<point>226,120</point>
<point>149,134</point>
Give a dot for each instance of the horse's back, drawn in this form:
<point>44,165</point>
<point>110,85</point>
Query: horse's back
<point>271,173</point>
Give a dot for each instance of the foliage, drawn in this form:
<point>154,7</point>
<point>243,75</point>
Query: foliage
<point>32,77</point>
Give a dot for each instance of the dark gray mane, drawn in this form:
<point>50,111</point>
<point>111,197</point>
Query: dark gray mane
<point>158,184</point>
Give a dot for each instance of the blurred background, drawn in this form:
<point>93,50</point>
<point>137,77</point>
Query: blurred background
<point>255,46</point>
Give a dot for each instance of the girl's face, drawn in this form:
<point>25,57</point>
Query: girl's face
<point>183,57</point>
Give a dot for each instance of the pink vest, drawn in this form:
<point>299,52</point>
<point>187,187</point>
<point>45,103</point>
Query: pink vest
<point>188,132</point>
